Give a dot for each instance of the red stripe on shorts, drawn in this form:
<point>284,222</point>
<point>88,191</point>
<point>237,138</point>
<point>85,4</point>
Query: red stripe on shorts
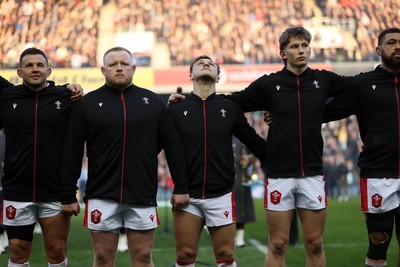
<point>266,194</point>
<point>233,205</point>
<point>364,194</point>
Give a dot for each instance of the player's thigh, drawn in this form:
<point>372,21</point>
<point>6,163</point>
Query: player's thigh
<point>105,243</point>
<point>187,229</point>
<point>140,242</point>
<point>223,238</point>
<point>278,223</point>
<point>55,228</point>
<point>313,223</point>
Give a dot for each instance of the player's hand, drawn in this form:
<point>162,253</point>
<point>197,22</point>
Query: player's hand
<point>71,209</point>
<point>268,117</point>
<point>175,98</point>
<point>77,91</point>
<point>179,201</point>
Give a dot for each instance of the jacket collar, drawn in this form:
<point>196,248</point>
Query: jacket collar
<point>198,99</point>
<point>303,74</point>
<point>382,71</point>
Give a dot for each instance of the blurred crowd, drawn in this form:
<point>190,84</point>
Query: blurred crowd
<point>370,17</point>
<point>66,31</point>
<point>342,145</point>
<point>232,31</point>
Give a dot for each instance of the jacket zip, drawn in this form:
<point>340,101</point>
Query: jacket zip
<point>123,149</point>
<point>35,146</point>
<point>205,149</point>
<point>396,82</point>
<point>300,127</point>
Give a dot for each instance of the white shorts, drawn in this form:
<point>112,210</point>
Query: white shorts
<point>216,211</point>
<point>26,213</point>
<point>108,215</point>
<point>379,195</point>
<point>284,194</point>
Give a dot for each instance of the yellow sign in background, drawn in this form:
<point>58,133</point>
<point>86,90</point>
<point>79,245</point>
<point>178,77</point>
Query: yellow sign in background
<point>88,78</point>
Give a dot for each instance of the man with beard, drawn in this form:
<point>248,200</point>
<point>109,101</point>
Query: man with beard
<point>125,127</point>
<point>206,122</point>
<point>374,98</point>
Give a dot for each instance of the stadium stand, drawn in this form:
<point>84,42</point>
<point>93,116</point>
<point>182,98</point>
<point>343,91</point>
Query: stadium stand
<point>65,30</point>
<point>233,31</point>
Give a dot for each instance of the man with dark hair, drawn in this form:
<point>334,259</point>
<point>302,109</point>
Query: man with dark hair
<point>33,116</point>
<point>296,98</point>
<point>374,97</point>
<point>206,123</point>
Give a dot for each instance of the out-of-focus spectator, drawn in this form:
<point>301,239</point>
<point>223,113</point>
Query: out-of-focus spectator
<point>165,182</point>
<point>3,234</point>
<point>242,32</point>
<point>59,28</point>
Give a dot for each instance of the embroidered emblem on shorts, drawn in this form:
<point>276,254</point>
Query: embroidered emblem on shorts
<point>275,197</point>
<point>376,200</point>
<point>10,212</point>
<point>320,199</point>
<point>152,217</point>
<point>95,216</point>
<point>226,213</point>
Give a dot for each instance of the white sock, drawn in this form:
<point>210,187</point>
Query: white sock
<point>375,263</point>
<point>240,237</point>
<point>62,264</point>
<point>188,265</point>
<point>12,264</point>
<point>224,264</point>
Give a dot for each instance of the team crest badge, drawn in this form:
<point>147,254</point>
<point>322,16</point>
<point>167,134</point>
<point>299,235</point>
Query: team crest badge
<point>376,200</point>
<point>95,216</point>
<point>11,212</point>
<point>275,197</point>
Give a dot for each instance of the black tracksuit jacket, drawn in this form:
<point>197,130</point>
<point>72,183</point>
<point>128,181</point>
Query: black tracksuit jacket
<point>34,125</point>
<point>374,98</point>
<point>4,83</point>
<point>124,132</point>
<point>206,128</point>
<point>294,143</point>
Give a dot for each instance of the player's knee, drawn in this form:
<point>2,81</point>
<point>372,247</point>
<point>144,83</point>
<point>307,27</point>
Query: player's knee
<point>104,256</point>
<point>19,250</point>
<point>278,246</point>
<point>377,250</point>
<point>144,257</point>
<point>313,246</point>
<point>186,255</point>
<point>142,253</point>
<point>101,259</point>
<point>56,253</point>
<point>225,256</point>
<point>379,238</point>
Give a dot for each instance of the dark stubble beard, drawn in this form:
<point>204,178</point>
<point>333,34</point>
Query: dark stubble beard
<point>391,62</point>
